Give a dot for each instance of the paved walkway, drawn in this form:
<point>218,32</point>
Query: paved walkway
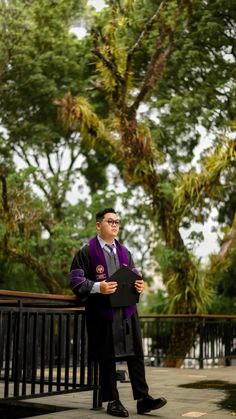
<point>208,393</point>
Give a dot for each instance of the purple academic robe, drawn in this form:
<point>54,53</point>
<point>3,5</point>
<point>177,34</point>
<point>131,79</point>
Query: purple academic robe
<point>111,332</point>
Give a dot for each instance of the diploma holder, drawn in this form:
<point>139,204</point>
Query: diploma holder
<point>126,294</point>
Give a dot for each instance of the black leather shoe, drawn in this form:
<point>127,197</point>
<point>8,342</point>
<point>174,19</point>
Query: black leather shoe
<point>116,408</point>
<point>148,403</point>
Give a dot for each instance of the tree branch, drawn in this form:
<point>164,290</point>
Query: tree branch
<point>33,263</point>
<point>158,61</point>
<point>109,64</point>
<point>50,163</point>
<point>5,205</point>
<point>147,29</point>
<point>155,70</point>
<point>37,181</point>
<point>26,258</point>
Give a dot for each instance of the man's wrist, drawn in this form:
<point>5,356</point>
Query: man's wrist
<point>95,288</point>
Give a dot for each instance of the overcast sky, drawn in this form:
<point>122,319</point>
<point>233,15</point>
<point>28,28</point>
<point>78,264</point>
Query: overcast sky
<point>98,4</point>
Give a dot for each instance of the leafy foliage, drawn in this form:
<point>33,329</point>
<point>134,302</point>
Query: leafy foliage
<point>40,61</point>
<point>176,54</point>
<point>133,93</point>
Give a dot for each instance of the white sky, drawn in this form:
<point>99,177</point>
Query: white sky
<point>98,4</point>
<point>80,30</point>
<point>209,244</point>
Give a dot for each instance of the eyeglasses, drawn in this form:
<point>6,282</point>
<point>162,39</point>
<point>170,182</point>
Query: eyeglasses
<point>113,222</point>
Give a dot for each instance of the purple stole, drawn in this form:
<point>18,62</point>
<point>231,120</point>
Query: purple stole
<point>100,271</point>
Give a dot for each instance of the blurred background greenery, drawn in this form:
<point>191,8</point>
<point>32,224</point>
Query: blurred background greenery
<point>139,114</point>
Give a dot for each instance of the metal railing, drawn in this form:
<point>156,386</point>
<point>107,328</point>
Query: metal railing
<point>43,344</point>
<point>43,347</point>
<point>212,341</point>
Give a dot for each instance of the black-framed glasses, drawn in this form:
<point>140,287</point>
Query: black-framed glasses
<point>112,222</point>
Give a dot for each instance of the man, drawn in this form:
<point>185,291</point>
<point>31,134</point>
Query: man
<point>113,333</point>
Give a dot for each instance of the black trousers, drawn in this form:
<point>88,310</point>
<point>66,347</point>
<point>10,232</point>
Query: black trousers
<point>136,373</point>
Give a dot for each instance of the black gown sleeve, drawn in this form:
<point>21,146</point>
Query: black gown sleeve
<point>82,261</point>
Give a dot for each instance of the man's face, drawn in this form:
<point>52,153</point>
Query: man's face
<point>108,228</point>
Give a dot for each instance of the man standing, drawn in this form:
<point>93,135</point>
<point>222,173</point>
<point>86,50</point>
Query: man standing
<point>113,333</point>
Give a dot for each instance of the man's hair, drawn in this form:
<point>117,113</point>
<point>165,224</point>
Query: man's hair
<point>100,214</point>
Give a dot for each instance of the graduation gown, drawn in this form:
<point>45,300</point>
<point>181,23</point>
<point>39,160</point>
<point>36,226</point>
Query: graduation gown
<point>111,332</point>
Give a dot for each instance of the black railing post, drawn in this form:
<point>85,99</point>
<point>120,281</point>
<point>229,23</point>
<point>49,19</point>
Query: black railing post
<point>8,349</point>
<point>42,352</point>
<point>201,342</point>
<point>60,349</point>
<point>17,352</point>
<point>67,350</point>
<point>25,360</point>
<point>34,352</point>
<point>75,358</point>
<point>51,353</point>
<point>228,340</point>
<point>82,351</point>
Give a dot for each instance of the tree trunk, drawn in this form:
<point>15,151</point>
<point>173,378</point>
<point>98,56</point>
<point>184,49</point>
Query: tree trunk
<point>181,341</point>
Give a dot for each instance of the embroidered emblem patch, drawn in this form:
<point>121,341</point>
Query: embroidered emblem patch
<point>100,277</point>
<point>100,269</point>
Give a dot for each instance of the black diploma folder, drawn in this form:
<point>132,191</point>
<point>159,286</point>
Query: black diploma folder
<point>126,294</point>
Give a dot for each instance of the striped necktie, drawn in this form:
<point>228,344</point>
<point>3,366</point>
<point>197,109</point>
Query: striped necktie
<point>111,248</point>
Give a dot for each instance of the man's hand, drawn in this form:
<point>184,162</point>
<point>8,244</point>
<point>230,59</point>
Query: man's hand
<point>139,285</point>
<point>108,287</point>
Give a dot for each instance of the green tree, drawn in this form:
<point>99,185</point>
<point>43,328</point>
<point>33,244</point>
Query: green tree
<point>174,58</point>
<point>40,60</point>
<point>225,290</point>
